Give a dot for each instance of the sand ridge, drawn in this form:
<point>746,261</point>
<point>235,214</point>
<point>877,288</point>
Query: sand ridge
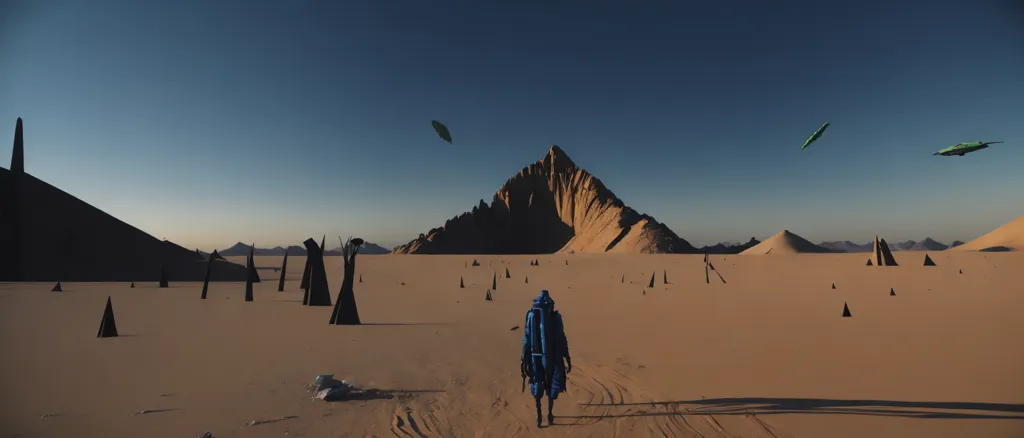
<point>784,242</point>
<point>1010,235</point>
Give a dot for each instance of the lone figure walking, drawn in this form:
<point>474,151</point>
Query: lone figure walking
<point>544,347</point>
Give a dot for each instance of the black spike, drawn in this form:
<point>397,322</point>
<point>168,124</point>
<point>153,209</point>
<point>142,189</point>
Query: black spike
<point>250,268</point>
<point>868,263</point>
<point>206,279</point>
<point>494,282</point>
<point>846,311</point>
<point>18,155</point>
<point>652,281</point>
<point>57,288</point>
<point>462,285</point>
<point>527,279</point>
<point>833,285</point>
<point>892,292</point>
<point>961,271</point>
<point>108,328</point>
<point>132,286</point>
<point>360,278</point>
<point>284,269</point>
<point>623,279</point>
<point>507,274</point>
<point>664,279</point>
<point>488,296</point>
<point>928,261</point>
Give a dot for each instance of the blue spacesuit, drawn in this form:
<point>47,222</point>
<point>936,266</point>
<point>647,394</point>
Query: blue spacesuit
<point>544,348</point>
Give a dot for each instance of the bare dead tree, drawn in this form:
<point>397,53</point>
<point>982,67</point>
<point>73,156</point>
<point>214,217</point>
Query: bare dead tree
<point>345,311</point>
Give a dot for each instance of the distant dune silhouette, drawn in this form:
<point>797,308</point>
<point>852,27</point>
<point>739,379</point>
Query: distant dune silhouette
<point>729,248</point>
<point>550,206</point>
<point>784,243</point>
<point>47,234</point>
<point>241,250</point>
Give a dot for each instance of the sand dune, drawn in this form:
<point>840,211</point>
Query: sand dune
<point>1010,236</point>
<point>784,243</point>
<point>942,358</point>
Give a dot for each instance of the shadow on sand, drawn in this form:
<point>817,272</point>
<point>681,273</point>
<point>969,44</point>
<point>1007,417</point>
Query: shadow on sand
<point>766,406</point>
<point>402,323</point>
<point>384,394</point>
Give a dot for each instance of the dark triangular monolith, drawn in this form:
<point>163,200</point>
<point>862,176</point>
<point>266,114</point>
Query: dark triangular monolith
<point>284,269</point>
<point>319,290</point>
<point>494,282</point>
<point>928,261</point>
<point>623,279</point>
<point>833,285</point>
<point>305,290</point>
<point>846,311</point>
<point>249,266</point>
<point>476,263</point>
<point>132,286</point>
<point>707,275</point>
<point>652,281</point>
<point>254,275</point>
<point>507,274</point>
<point>488,296</point>
<point>360,278</point>
<point>163,277</point>
<point>108,329</point>
<point>206,278</point>
<point>304,283</point>
<point>462,285</point>
<point>527,279</point>
<point>705,257</point>
<point>18,155</point>
<point>869,263</point>
<point>57,288</point>
<point>664,278</point>
<point>892,292</point>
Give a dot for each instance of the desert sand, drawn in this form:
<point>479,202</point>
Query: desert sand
<point>766,354</point>
<point>1006,237</point>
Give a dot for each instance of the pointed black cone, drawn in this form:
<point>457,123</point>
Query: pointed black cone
<point>284,269</point>
<point>305,290</point>
<point>507,274</point>
<point>664,278</point>
<point>651,285</point>
<point>868,263</point>
<point>18,155</point>
<point>833,285</point>
<point>705,257</point>
<point>494,282</point>
<point>476,263</point>
<point>488,296</point>
<point>462,285</point>
<point>846,311</point>
<point>163,277</point>
<point>527,279</point>
<point>928,261</point>
<point>892,292</point>
<point>57,288</point>
<point>304,284</point>
<point>623,279</point>
<point>108,329</point>
<point>319,289</point>
<point>248,278</point>
<point>206,278</point>
<point>360,278</point>
<point>253,273</point>
<point>132,285</point>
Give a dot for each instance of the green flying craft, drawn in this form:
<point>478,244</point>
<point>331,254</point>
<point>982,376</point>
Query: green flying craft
<point>960,149</point>
<point>442,131</point>
<point>817,135</point>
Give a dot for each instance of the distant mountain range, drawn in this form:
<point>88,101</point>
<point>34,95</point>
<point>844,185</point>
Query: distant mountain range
<point>240,250</point>
<point>729,247</point>
<point>928,244</point>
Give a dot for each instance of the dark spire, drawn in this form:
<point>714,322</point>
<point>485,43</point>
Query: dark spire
<point>57,288</point>
<point>163,276</point>
<point>108,329</point>
<point>461,284</point>
<point>652,281</point>
<point>846,311</point>
<point>18,156</point>
<point>250,268</point>
<point>206,279</point>
<point>284,268</point>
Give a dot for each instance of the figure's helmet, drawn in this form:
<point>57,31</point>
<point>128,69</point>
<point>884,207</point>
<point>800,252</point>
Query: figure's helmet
<point>544,301</point>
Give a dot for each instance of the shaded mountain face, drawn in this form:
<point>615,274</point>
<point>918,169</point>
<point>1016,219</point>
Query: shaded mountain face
<point>845,246</point>
<point>550,206</point>
<point>955,244</point>
<point>729,248</point>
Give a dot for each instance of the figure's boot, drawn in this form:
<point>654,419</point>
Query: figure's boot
<point>551,406</point>
<point>539,416</point>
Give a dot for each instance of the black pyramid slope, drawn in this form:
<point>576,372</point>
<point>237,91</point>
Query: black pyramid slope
<point>652,281</point>
<point>928,261</point>
<point>846,311</point>
<point>108,328</point>
<point>57,288</point>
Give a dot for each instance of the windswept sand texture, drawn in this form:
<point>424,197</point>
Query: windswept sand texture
<point>1010,236</point>
<point>765,355</point>
<point>784,243</point>
<point>550,206</point>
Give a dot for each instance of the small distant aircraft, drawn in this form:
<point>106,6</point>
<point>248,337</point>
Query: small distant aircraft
<point>816,135</point>
<point>960,149</point>
<point>442,131</point>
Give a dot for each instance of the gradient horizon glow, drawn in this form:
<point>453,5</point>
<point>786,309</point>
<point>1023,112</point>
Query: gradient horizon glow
<point>209,123</point>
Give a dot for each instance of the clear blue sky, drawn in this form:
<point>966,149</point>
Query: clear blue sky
<point>211,122</point>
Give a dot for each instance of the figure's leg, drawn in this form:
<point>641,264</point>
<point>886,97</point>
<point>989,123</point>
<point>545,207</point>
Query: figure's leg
<point>551,405</point>
<point>539,417</point>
